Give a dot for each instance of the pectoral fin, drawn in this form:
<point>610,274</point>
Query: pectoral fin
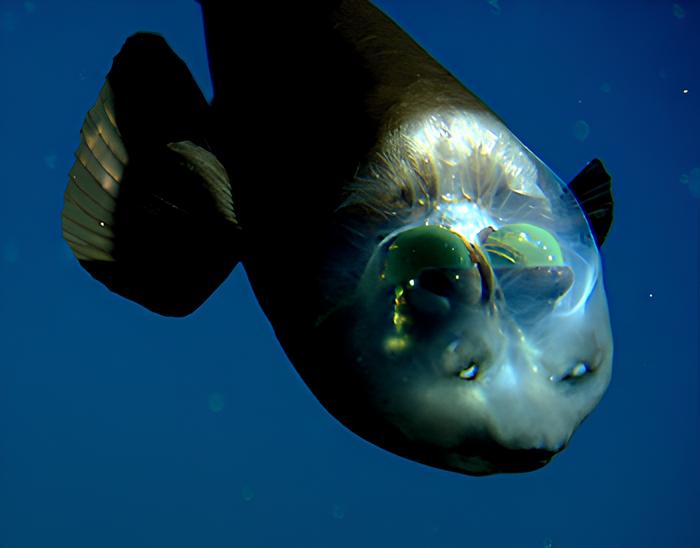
<point>148,209</point>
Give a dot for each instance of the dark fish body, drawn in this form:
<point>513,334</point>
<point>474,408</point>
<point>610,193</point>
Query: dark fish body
<point>433,282</point>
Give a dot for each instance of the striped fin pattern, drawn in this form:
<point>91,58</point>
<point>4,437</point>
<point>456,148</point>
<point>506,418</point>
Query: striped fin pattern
<point>93,187</point>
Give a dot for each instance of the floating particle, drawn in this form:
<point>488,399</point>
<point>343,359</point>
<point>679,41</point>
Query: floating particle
<point>64,254</point>
<point>548,543</point>
<point>50,161</point>
<point>605,87</point>
<point>581,130</point>
<point>247,493</point>
<point>692,181</point>
<point>678,11</point>
<point>29,7</point>
<point>8,21</point>
<point>216,402</point>
<point>495,7</point>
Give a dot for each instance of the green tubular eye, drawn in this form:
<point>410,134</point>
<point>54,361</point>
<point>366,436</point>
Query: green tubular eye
<point>424,247</point>
<point>523,245</point>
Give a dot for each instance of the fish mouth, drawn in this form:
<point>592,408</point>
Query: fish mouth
<point>521,460</point>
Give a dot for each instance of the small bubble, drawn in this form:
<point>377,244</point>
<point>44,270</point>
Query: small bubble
<point>548,543</point>
<point>247,493</point>
<point>605,87</point>
<point>678,11</point>
<point>495,7</point>
<point>216,402</point>
<point>65,254</point>
<point>10,252</point>
<point>685,91</point>
<point>581,130</point>
<point>338,511</point>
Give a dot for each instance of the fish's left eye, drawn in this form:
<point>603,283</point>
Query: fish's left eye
<point>422,248</point>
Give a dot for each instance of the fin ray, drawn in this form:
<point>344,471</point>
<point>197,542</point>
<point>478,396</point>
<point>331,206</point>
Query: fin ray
<point>88,203</point>
<point>95,142</point>
<point>81,180</point>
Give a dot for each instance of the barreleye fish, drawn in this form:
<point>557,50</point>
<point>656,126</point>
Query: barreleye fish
<point>435,284</point>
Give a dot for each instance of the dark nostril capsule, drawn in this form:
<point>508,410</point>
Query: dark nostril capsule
<point>438,280</point>
<point>427,302</point>
<point>457,284</point>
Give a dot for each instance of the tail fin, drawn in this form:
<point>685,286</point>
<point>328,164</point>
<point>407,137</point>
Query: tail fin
<point>148,208</point>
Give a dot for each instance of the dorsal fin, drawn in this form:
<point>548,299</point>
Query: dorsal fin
<point>148,209</point>
<point>593,190</point>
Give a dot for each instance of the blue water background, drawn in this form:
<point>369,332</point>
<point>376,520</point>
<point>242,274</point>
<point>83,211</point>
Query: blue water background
<point>120,428</point>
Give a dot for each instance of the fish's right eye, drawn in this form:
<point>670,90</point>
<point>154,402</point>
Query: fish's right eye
<point>522,245</point>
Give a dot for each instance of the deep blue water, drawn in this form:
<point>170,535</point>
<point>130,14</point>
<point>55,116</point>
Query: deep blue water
<point>120,428</point>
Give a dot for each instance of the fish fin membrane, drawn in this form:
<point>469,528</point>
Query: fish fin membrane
<point>593,190</point>
<point>148,209</point>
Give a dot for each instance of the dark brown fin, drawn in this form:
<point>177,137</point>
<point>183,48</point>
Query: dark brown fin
<point>593,190</point>
<point>148,209</point>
